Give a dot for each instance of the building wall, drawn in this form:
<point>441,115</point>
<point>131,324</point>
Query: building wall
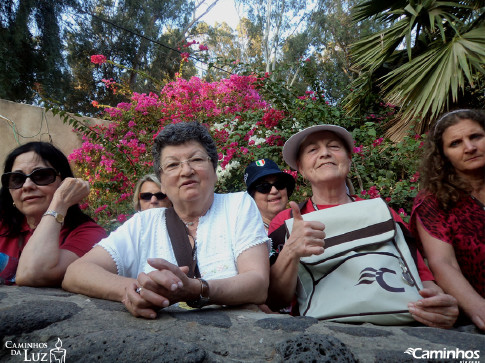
<point>21,123</point>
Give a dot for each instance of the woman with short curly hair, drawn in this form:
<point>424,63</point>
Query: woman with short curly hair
<point>222,234</point>
<point>449,212</point>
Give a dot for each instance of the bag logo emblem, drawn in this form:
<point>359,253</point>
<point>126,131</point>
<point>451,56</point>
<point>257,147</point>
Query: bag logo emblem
<point>369,275</point>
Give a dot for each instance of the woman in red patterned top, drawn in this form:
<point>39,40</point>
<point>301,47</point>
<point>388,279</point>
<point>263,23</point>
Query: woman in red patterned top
<point>448,215</point>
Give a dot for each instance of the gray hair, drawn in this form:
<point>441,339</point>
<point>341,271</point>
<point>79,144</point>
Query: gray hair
<point>180,133</point>
<point>136,194</point>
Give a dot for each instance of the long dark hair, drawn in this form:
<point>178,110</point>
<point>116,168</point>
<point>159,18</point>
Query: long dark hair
<point>10,217</point>
<point>438,176</point>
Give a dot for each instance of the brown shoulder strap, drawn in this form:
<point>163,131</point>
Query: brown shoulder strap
<point>185,255</point>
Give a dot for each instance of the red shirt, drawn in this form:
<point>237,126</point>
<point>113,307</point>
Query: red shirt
<point>463,227</point>
<point>423,270</point>
<point>79,241</point>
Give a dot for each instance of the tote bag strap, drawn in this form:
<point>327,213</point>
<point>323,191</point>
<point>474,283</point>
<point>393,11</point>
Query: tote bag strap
<point>184,253</point>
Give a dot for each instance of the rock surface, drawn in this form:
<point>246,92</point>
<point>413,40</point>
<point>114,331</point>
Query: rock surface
<point>33,322</point>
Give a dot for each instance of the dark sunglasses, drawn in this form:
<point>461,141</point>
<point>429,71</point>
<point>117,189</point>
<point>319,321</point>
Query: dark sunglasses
<point>266,187</point>
<point>16,179</point>
<point>148,196</point>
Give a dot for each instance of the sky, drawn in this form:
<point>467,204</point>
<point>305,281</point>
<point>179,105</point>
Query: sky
<point>223,11</point>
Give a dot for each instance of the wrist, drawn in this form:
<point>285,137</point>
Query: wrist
<point>59,217</point>
<point>58,206</point>
<point>203,297</point>
<point>194,289</point>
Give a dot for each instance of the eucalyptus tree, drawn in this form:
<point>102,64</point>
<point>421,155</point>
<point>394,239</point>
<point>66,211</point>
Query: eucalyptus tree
<point>31,60</point>
<point>276,21</point>
<point>429,58</point>
<point>332,31</point>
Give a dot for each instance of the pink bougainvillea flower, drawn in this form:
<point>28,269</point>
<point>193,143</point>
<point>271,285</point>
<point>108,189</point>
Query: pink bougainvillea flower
<point>358,149</point>
<point>203,47</point>
<point>185,56</point>
<point>100,209</point>
<point>95,103</point>
<point>98,59</point>
<point>415,177</point>
<point>377,142</point>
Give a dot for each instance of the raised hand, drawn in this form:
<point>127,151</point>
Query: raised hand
<point>307,237</point>
<point>70,192</point>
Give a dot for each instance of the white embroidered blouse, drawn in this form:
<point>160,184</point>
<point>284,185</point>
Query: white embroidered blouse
<point>231,225</point>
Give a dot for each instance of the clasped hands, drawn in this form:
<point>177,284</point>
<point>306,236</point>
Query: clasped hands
<point>166,285</point>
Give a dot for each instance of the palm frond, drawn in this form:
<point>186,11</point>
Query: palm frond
<point>424,87</point>
<point>381,9</point>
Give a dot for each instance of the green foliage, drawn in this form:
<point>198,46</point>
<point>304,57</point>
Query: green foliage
<point>385,168</point>
<point>250,116</point>
<point>32,63</point>
<point>444,55</point>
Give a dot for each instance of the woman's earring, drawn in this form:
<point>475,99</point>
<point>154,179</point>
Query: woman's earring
<point>14,205</point>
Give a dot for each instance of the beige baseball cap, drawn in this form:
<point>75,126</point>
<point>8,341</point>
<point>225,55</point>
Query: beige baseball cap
<point>292,145</point>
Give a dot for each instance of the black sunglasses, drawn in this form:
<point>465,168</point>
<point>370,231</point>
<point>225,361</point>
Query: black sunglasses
<point>16,179</point>
<point>148,196</point>
<point>266,187</point>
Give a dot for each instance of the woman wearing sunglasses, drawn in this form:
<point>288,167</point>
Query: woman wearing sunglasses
<point>270,188</point>
<point>42,227</point>
<point>148,194</point>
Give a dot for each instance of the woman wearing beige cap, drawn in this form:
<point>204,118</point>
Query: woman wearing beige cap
<point>322,154</point>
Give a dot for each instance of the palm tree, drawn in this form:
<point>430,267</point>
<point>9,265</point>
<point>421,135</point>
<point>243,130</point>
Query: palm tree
<point>428,59</point>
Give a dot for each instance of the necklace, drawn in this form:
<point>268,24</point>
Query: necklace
<point>189,224</point>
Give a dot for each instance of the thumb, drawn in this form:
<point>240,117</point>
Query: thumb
<point>160,264</point>
<point>296,212</point>
<point>185,269</point>
<point>427,293</point>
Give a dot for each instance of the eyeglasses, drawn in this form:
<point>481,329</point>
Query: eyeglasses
<point>148,196</point>
<point>195,162</point>
<point>266,187</point>
<point>15,179</point>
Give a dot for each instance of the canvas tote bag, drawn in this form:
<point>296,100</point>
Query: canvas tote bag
<point>367,272</point>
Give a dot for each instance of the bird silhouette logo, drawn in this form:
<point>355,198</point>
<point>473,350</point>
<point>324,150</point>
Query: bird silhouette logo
<point>368,275</point>
<point>410,351</point>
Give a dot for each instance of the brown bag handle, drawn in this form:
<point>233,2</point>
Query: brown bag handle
<point>184,253</point>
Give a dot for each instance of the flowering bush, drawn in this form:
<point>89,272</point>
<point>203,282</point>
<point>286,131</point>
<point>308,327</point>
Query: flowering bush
<point>250,116</point>
<point>381,168</point>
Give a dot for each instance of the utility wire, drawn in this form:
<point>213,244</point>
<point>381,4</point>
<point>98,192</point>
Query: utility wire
<point>147,38</point>
<point>17,134</point>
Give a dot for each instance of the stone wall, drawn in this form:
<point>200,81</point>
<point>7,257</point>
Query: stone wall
<point>33,321</point>
<point>21,123</point>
